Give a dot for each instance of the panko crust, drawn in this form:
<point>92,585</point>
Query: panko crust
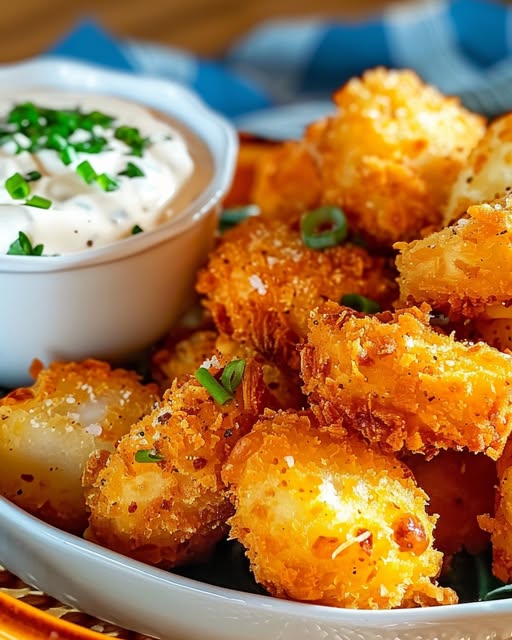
<point>464,270</point>
<point>172,512</point>
<point>487,173</point>
<point>261,283</point>
<point>405,385</point>
<point>388,157</point>
<point>500,526</point>
<point>460,486</point>
<point>48,430</point>
<point>331,522</point>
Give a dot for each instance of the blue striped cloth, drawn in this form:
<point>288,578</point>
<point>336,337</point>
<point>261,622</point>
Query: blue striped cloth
<point>281,75</point>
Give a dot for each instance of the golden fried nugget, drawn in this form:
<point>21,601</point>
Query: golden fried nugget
<point>405,385</point>
<point>331,522</point>
<point>184,357</point>
<point>261,283</point>
<point>47,432</point>
<point>288,181</point>
<point>388,157</point>
<point>172,509</point>
<point>460,486</point>
<point>487,174</point>
<point>464,270</point>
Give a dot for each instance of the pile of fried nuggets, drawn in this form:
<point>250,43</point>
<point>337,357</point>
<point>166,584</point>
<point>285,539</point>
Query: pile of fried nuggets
<point>359,451</point>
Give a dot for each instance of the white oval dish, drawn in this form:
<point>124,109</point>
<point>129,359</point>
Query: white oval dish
<point>152,601</point>
<point>111,302</point>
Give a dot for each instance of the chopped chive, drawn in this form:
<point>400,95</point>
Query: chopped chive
<point>324,227</point>
<point>132,171</point>
<point>56,141</point>
<point>232,375</point>
<point>95,144</point>
<point>213,386</point>
<point>231,217</point>
<point>106,182</point>
<point>148,455</point>
<point>132,138</point>
<point>39,202</point>
<point>23,247</point>
<point>360,303</point>
<point>17,187</point>
<point>32,176</point>
<point>86,172</point>
<point>68,155</point>
<point>136,229</point>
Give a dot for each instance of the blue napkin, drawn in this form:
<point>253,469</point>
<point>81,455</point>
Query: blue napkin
<point>281,75</point>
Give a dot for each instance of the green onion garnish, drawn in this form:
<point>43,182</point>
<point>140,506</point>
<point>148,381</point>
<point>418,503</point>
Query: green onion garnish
<point>213,386</point>
<point>68,155</point>
<point>324,227</point>
<point>86,172</point>
<point>360,303</point>
<point>136,229</point>
<point>39,202</point>
<point>132,171</point>
<point>148,455</point>
<point>232,375</point>
<point>106,182</point>
<point>231,217</point>
<point>32,176</point>
<point>132,138</point>
<point>23,247</point>
<point>17,186</point>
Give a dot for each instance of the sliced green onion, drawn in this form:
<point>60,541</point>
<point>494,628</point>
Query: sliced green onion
<point>136,229</point>
<point>106,182</point>
<point>95,144</point>
<point>214,388</point>
<point>56,141</point>
<point>132,171</point>
<point>23,247</point>
<point>132,138</point>
<point>148,455</point>
<point>68,155</point>
<point>359,303</point>
<point>32,176</point>
<point>17,186</point>
<point>39,202</point>
<point>231,217</point>
<point>324,227</point>
<point>86,172</point>
<point>232,375</point>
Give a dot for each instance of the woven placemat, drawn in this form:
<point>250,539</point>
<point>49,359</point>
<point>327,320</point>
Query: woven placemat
<point>13,586</point>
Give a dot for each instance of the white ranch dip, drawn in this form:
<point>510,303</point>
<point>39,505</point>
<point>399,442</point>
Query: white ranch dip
<point>83,215</point>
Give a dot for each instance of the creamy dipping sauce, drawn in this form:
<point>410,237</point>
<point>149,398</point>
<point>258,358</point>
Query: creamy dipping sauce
<point>92,210</point>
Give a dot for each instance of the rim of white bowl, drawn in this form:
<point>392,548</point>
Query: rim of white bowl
<point>65,74</point>
<point>48,534</point>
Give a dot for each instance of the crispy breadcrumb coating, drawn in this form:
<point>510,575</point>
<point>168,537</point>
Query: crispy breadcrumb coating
<point>406,385</point>
<point>500,526</point>
<point>172,511</point>
<point>331,522</point>
<point>464,270</point>
<point>460,486</point>
<point>48,430</point>
<point>388,157</point>
<point>261,282</point>
<point>487,173</point>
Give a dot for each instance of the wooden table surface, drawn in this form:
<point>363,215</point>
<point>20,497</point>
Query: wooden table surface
<point>207,27</point>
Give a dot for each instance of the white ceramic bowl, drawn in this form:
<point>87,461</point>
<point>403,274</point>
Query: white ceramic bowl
<point>112,301</point>
<point>135,596</point>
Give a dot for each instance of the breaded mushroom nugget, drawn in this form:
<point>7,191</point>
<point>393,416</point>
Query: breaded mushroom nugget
<point>47,432</point>
<point>500,526</point>
<point>159,497</point>
<point>405,385</point>
<point>464,270</point>
<point>331,522</point>
<point>262,281</point>
<point>487,174</point>
<point>460,486</point>
<point>388,157</point>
